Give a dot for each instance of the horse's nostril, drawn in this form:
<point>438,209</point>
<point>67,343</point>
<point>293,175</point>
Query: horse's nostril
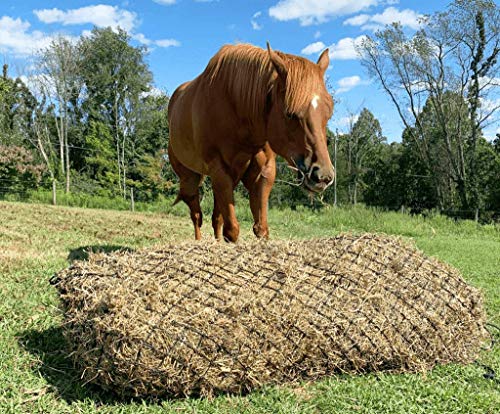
<point>314,175</point>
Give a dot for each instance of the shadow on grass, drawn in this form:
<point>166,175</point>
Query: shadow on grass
<point>82,253</point>
<point>51,349</point>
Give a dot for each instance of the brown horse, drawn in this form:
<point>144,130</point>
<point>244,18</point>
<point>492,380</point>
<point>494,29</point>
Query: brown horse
<point>248,105</point>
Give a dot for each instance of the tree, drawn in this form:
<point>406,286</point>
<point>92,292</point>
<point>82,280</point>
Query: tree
<point>361,142</point>
<point>41,139</point>
<point>19,170</point>
<point>16,106</point>
<point>149,170</point>
<point>385,180</point>
<point>58,79</point>
<point>115,76</point>
<point>454,53</point>
<point>99,156</point>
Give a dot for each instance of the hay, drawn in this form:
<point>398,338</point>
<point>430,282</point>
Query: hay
<point>205,318</point>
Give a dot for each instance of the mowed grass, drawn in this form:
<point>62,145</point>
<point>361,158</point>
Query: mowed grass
<point>36,375</point>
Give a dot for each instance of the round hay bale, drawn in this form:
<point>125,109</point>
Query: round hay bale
<point>204,318</point>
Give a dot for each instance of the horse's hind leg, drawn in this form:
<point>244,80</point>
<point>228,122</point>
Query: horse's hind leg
<point>190,182</point>
<point>217,220</point>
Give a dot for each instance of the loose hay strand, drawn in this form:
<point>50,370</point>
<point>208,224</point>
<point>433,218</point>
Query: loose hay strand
<point>204,318</point>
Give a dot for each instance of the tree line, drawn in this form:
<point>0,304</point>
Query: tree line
<point>443,82</point>
<point>89,120</point>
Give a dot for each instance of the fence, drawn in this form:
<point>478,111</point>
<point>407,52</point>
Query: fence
<point>138,199</point>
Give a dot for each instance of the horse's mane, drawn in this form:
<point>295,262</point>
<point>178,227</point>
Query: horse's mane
<point>248,75</point>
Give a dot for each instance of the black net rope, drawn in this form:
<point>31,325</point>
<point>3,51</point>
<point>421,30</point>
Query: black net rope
<point>206,318</point>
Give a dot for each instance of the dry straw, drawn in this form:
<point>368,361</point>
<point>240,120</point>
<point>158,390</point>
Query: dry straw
<point>204,318</point>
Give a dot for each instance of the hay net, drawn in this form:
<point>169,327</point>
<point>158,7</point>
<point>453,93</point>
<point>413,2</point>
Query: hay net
<point>204,318</point>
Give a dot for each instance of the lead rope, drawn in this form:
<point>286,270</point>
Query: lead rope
<point>297,183</point>
<point>294,184</point>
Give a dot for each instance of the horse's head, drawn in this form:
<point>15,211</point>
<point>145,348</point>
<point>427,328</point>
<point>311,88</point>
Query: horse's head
<point>300,109</point>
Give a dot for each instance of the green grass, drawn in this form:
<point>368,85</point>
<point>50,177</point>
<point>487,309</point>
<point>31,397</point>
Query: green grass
<point>36,374</point>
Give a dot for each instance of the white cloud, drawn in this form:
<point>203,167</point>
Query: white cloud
<point>101,15</point>
<point>345,48</point>
<point>16,37</point>
<point>142,39</point>
<point>347,121</point>
<point>407,18</point>
<point>161,42</point>
<point>357,20</point>
<point>316,11</point>
<point>255,24</point>
<point>167,43</point>
<point>317,35</point>
<point>313,48</point>
<point>347,83</point>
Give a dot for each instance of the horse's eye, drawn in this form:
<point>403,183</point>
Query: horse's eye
<point>291,116</point>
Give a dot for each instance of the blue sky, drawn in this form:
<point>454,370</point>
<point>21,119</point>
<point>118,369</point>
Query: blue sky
<point>182,35</point>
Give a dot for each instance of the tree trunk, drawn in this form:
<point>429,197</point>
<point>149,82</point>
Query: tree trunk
<point>61,154</point>
<point>67,165</point>
<point>462,194</point>
<point>355,192</point>
<point>118,162</point>
<point>54,191</point>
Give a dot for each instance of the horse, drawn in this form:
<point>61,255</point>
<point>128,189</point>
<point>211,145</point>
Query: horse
<point>248,105</point>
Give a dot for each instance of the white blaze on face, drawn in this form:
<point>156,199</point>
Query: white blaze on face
<point>315,101</point>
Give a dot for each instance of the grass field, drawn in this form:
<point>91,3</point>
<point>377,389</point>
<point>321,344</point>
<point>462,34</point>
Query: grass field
<point>36,374</point>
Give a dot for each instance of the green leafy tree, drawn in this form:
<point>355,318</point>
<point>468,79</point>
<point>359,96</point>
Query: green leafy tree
<point>150,172</point>
<point>456,52</point>
<point>115,76</point>
<point>100,154</point>
<point>360,145</point>
<point>59,80</point>
<point>17,104</point>
<point>385,183</point>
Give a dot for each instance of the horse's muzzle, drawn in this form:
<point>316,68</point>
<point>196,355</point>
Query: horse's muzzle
<point>316,179</point>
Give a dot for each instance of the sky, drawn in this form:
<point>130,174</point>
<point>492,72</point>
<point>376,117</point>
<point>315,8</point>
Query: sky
<point>182,35</point>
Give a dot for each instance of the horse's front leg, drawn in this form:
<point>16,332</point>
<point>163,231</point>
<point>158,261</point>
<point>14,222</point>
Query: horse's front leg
<point>223,187</point>
<point>259,180</point>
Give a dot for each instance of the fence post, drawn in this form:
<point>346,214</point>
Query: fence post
<point>476,215</point>
<point>132,203</point>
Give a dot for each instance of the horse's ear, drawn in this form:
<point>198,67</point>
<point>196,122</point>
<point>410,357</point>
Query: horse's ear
<point>278,63</point>
<point>324,60</point>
